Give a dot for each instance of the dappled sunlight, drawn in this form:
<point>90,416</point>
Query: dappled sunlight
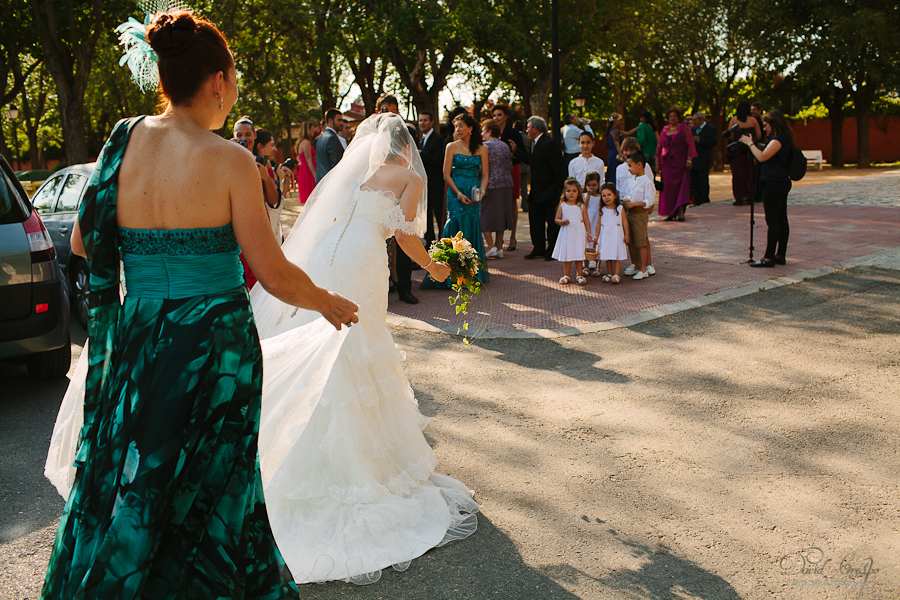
<point>730,436</point>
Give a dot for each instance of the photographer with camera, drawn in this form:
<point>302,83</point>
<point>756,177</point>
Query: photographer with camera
<point>276,185</point>
<point>245,134</point>
<point>775,183</point>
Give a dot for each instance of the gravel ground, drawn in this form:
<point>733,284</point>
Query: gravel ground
<point>746,449</point>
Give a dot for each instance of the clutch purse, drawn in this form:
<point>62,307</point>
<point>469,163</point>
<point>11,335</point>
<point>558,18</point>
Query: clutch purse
<point>475,194</point>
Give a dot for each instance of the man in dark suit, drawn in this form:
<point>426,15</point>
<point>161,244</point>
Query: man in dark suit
<point>329,149</point>
<point>705,140</point>
<point>548,173</point>
<point>431,150</point>
<point>403,266</point>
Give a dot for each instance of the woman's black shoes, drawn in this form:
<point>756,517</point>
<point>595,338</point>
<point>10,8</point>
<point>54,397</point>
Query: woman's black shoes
<point>779,260</point>
<point>766,262</point>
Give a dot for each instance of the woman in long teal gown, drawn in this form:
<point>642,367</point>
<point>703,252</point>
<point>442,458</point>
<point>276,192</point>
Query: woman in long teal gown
<point>465,167</point>
<point>167,500</point>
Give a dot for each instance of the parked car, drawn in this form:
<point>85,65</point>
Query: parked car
<point>58,201</point>
<point>34,299</point>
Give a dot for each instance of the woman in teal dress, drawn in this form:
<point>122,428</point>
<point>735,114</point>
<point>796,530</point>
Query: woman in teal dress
<point>465,167</point>
<point>167,500</point>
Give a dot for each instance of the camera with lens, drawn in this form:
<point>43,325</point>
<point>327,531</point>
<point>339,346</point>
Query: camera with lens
<point>244,143</point>
<point>735,148</point>
<point>289,164</point>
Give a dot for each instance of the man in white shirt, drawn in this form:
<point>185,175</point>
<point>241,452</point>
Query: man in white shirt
<point>639,201</point>
<point>571,132</point>
<point>585,162</point>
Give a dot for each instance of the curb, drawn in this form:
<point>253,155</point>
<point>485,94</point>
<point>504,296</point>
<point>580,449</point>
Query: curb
<point>884,256</point>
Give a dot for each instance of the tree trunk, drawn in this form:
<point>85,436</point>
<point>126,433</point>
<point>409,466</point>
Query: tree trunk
<point>834,98</point>
<point>863,119</point>
<point>69,63</point>
<point>4,148</point>
<point>32,120</point>
<point>423,96</point>
<point>321,72</point>
<point>539,99</point>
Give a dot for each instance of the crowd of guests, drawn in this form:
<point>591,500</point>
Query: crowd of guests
<point>586,211</point>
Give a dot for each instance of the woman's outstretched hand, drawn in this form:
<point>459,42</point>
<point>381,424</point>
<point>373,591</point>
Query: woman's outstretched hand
<point>438,271</point>
<point>339,310</point>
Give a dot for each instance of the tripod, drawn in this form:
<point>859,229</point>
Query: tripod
<point>754,166</point>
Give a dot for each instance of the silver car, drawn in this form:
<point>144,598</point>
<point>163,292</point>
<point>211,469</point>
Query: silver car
<point>34,300</point>
<point>58,201</point>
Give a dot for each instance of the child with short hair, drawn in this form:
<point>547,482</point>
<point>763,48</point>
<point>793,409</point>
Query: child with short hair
<point>592,183</point>
<point>586,162</point>
<point>638,202</point>
<point>571,216</point>
<point>630,145</point>
<point>614,233</point>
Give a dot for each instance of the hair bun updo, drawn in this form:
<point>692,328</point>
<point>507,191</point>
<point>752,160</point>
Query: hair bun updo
<point>190,50</point>
<point>170,34</point>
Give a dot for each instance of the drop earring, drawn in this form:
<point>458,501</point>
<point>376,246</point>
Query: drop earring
<point>220,102</point>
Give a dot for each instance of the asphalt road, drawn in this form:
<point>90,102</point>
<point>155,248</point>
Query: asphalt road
<point>706,454</point>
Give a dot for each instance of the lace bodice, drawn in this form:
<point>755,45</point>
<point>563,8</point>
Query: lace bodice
<point>383,208</point>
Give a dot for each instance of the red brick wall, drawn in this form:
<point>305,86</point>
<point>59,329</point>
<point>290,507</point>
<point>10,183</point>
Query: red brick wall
<point>884,138</point>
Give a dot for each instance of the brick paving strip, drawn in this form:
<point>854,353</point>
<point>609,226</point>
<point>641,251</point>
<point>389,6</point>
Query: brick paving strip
<point>834,226</point>
<point>839,219</point>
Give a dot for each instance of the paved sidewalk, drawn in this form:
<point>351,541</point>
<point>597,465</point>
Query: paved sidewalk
<point>835,216</point>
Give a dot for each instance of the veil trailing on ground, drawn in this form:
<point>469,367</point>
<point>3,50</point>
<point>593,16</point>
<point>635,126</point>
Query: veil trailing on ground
<point>330,206</point>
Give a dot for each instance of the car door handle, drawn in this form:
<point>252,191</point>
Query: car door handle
<point>63,230</point>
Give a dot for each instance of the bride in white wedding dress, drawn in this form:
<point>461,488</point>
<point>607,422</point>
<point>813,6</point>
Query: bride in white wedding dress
<point>348,476</point>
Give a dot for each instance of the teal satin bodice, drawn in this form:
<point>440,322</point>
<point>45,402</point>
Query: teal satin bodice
<point>180,263</point>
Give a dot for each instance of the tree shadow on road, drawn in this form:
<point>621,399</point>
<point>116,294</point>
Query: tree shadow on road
<point>572,362</point>
<point>660,575</point>
<point>485,565</point>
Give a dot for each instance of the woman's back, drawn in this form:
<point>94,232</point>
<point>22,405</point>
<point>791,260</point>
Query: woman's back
<point>175,176</point>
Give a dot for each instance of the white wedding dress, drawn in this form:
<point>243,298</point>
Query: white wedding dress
<point>354,489</point>
<point>348,476</point>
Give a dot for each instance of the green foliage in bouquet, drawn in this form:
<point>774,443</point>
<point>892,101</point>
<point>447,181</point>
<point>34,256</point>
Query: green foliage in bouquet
<point>464,262</point>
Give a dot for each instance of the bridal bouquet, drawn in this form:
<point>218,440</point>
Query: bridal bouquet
<point>462,258</point>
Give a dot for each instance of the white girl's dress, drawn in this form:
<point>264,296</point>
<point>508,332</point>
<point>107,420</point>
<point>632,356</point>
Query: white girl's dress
<point>612,235</point>
<point>593,211</point>
<point>572,237</point>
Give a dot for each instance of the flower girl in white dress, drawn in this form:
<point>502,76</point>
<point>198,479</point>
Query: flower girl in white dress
<point>614,233</point>
<point>575,227</point>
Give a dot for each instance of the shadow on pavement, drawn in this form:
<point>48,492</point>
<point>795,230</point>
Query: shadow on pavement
<point>536,354</point>
<point>660,575</point>
<point>485,565</point>
<point>28,501</point>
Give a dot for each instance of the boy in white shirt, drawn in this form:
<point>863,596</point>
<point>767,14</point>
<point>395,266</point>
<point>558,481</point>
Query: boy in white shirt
<point>630,145</point>
<point>638,201</point>
<point>585,162</point>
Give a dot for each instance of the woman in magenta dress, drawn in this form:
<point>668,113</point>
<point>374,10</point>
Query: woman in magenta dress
<point>673,157</point>
<point>305,171</point>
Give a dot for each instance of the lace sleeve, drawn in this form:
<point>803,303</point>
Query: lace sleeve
<point>395,220</point>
